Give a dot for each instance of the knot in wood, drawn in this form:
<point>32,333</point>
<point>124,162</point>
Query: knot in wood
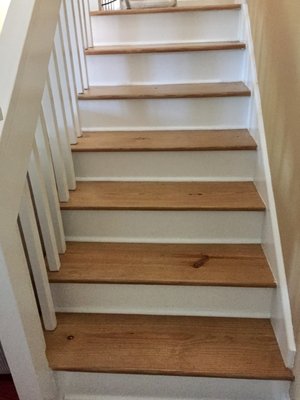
<point>202,260</point>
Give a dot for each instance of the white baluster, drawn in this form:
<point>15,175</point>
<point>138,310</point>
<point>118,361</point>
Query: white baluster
<point>83,24</point>
<point>65,87</point>
<point>86,6</point>
<point>57,103</point>
<point>56,152</point>
<point>66,43</point>
<point>69,13</point>
<point>36,259</point>
<point>80,42</point>
<point>48,173</point>
<point>43,210</point>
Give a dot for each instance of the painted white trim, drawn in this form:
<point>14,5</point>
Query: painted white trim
<point>36,259</point>
<point>97,386</point>
<point>157,128</point>
<point>205,301</point>
<point>281,314</point>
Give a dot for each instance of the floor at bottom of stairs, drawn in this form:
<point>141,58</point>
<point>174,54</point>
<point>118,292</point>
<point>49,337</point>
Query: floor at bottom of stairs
<point>166,345</point>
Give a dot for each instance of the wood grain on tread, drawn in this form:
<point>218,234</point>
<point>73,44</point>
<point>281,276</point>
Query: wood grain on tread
<point>202,140</point>
<point>219,196</point>
<point>189,90</point>
<point>164,48</point>
<point>160,10</point>
<point>166,345</point>
<point>164,264</point>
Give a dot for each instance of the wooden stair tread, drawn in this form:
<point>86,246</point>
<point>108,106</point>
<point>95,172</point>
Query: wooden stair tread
<point>164,264</point>
<point>189,90</point>
<point>164,48</point>
<point>166,345</point>
<point>219,196</point>
<point>179,8</point>
<point>200,140</point>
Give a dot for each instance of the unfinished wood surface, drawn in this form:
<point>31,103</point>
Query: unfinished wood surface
<point>165,264</point>
<point>179,8</point>
<point>222,196</point>
<point>164,48</point>
<point>166,345</point>
<point>201,140</point>
<point>188,90</point>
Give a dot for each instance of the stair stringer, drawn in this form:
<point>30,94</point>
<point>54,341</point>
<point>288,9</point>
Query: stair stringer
<point>281,310</point>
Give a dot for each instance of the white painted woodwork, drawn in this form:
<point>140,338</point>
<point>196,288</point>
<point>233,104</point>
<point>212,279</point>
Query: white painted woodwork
<point>56,151</point>
<point>217,113</point>
<point>281,311</point>
<point>166,68</point>
<point>55,92</point>
<point>164,226</point>
<point>166,165</point>
<point>21,335</point>
<point>66,43</point>
<point>64,84</point>
<point>80,41</point>
<point>36,260</point>
<point>96,386</point>
<point>25,68</point>
<point>49,178</point>
<point>163,300</point>
<point>43,210</point>
<point>195,26</point>
<point>70,22</point>
<point>83,23</point>
<point>86,7</point>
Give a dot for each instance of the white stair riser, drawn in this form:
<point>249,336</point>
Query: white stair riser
<point>97,386</point>
<point>162,165</point>
<point>164,68</point>
<point>162,300</point>
<point>167,27</point>
<point>231,112</point>
<point>164,226</point>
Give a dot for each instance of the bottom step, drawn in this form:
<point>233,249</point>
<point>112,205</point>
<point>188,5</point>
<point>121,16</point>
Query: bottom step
<point>166,345</point>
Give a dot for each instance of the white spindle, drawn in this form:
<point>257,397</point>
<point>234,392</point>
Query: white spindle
<point>83,24</point>
<point>66,43</point>
<point>80,42</point>
<point>48,173</point>
<point>86,6</point>
<point>43,210</point>
<point>57,102</point>
<point>65,87</point>
<point>70,20</point>
<point>56,152</point>
<point>36,259</point>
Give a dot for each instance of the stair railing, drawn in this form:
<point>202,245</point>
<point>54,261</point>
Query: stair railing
<point>41,71</point>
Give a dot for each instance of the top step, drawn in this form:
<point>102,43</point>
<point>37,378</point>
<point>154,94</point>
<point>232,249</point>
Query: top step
<point>178,8</point>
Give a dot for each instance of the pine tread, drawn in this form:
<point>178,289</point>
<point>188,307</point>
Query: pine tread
<point>201,140</point>
<point>181,196</point>
<point>189,90</point>
<point>164,48</point>
<point>166,345</point>
<point>160,10</point>
<point>236,265</point>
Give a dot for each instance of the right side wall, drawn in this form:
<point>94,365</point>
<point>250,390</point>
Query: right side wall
<point>276,34</point>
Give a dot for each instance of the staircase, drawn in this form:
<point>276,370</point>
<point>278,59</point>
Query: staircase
<point>165,290</point>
